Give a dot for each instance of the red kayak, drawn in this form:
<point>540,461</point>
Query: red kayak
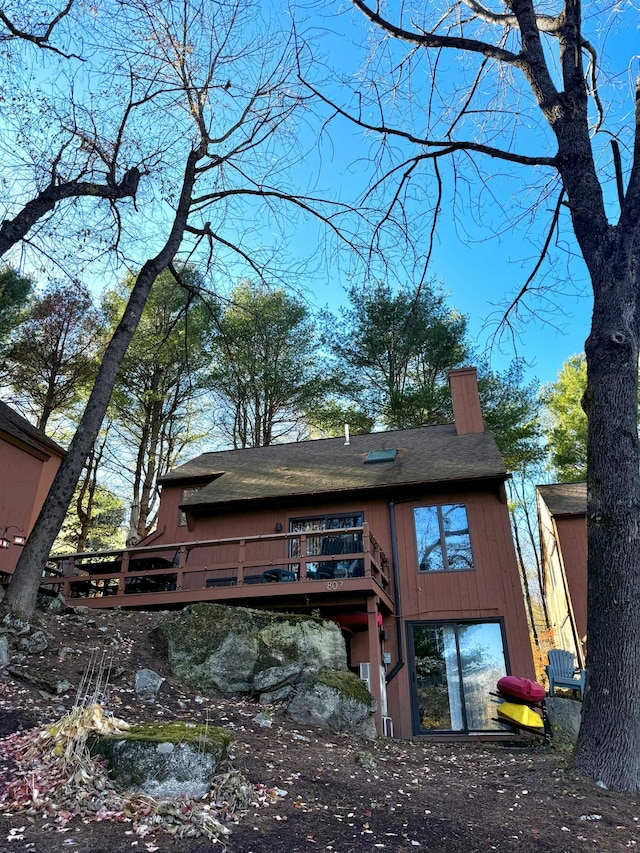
<point>521,689</point>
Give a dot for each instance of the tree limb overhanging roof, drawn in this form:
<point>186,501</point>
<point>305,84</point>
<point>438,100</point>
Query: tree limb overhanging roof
<point>426,455</point>
<point>565,498</point>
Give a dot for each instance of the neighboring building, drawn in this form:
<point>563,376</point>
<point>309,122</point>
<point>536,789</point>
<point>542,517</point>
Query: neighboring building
<point>562,517</point>
<point>28,463</point>
<point>402,537</point>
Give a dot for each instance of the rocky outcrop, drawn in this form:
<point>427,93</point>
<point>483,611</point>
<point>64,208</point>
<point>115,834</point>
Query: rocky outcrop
<point>238,650</point>
<point>165,760</point>
<point>275,657</point>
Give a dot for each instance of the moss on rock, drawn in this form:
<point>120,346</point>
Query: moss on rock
<point>218,648</point>
<point>165,759</point>
<point>347,684</point>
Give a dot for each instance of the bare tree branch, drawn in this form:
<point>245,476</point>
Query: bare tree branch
<point>41,41</point>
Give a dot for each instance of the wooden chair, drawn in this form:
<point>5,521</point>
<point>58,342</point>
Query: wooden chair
<point>562,672</point>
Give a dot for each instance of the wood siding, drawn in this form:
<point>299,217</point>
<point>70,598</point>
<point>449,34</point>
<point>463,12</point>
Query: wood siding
<point>491,591</point>
<point>563,543</point>
<point>25,478</point>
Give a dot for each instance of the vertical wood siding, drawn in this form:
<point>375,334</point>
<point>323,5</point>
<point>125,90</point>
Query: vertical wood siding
<point>490,591</point>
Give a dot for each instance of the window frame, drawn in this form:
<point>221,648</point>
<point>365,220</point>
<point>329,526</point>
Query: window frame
<point>410,626</point>
<point>185,494</point>
<point>446,564</point>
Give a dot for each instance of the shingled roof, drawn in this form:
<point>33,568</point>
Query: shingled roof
<point>426,455</point>
<point>14,425</point>
<point>565,498</point>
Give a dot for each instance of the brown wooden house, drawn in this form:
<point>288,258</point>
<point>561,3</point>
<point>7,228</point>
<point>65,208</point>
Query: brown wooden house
<point>402,537</point>
<point>562,518</point>
<point>28,463</point>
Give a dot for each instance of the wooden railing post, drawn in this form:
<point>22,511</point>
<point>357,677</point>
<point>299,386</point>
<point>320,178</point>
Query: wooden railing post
<point>124,568</point>
<point>68,573</point>
<point>366,547</point>
<point>182,561</point>
<point>241,559</point>
<point>303,556</point>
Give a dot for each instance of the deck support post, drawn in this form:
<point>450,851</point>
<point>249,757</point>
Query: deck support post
<point>373,637</point>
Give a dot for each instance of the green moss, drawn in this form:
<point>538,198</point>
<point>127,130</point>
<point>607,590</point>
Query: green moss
<point>202,627</point>
<point>197,734</point>
<point>346,683</point>
<point>207,738</point>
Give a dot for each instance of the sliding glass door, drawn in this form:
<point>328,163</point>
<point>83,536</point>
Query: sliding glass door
<point>455,669</point>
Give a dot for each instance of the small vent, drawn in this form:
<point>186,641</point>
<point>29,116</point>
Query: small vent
<point>380,456</point>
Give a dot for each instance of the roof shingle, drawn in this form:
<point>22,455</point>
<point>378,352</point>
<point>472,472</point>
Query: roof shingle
<point>565,498</point>
<point>425,455</point>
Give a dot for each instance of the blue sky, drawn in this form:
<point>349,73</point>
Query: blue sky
<point>479,257</point>
<point>478,270</point>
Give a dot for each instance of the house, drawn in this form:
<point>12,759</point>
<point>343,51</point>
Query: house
<point>28,463</point>
<point>402,537</point>
<point>562,519</point>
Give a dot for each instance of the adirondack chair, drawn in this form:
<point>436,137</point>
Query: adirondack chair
<point>562,672</point>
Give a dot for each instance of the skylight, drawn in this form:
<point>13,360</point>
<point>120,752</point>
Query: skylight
<point>380,456</point>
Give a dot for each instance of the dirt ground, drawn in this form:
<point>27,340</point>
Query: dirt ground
<point>312,790</point>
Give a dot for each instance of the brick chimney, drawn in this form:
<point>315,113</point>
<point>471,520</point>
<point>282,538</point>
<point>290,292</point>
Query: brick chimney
<point>466,402</point>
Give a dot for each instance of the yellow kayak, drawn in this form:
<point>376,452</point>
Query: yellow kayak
<point>521,715</point>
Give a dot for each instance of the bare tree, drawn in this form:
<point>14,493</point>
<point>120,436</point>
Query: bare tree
<point>502,89</point>
<point>35,28</point>
<point>221,91</point>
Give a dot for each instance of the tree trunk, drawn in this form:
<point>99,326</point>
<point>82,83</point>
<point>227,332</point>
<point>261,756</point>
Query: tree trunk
<point>23,589</point>
<point>608,747</point>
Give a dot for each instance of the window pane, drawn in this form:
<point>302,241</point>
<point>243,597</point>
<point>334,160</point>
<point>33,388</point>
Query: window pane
<point>458,543</point>
<point>428,538</point>
<point>456,669</point>
<point>348,543</point>
<point>437,678</point>
<point>482,662</point>
<point>442,536</point>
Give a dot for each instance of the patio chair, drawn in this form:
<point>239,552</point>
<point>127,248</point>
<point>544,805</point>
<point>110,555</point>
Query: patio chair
<point>562,672</point>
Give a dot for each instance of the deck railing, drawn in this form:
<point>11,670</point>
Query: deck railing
<point>315,560</point>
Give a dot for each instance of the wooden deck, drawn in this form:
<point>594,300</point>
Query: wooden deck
<point>283,570</point>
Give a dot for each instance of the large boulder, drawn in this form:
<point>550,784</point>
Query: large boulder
<point>238,650</point>
<point>334,700</point>
<point>564,719</point>
<point>165,760</point>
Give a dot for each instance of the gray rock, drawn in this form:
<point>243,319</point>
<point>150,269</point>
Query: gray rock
<point>17,626</point>
<point>273,697</point>
<point>564,719</point>
<point>4,652</point>
<point>51,603</point>
<point>147,684</point>
<point>40,678</point>
<point>238,650</point>
<point>35,643</point>
<point>275,677</point>
<point>165,760</point>
<point>334,700</point>
<point>2,593</point>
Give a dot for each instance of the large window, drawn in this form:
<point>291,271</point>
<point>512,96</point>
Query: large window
<point>456,668</point>
<point>442,536</point>
<point>329,544</point>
